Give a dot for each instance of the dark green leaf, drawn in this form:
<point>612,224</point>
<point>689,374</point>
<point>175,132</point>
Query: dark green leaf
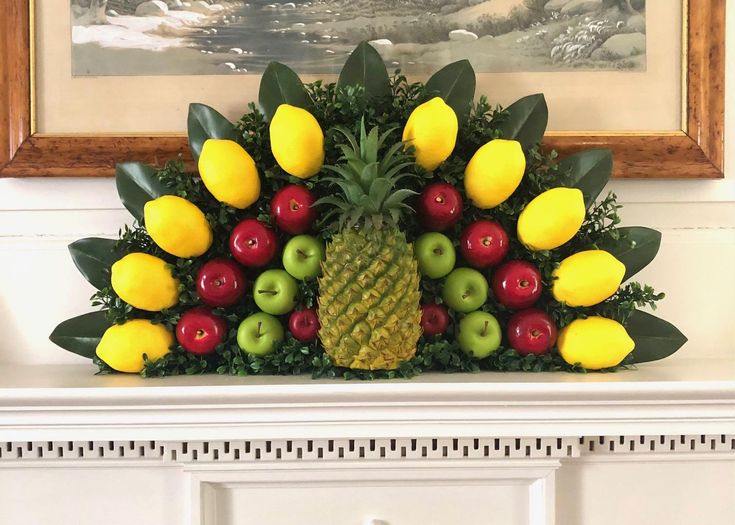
<point>636,248</point>
<point>455,83</point>
<point>206,123</point>
<point>93,258</point>
<point>526,121</point>
<point>589,171</point>
<point>365,67</point>
<point>280,85</point>
<point>654,338</point>
<point>137,184</point>
<point>81,334</point>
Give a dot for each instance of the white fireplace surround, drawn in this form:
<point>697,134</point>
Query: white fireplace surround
<point>654,445</point>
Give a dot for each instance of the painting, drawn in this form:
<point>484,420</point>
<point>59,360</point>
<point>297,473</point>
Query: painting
<point>199,37</point>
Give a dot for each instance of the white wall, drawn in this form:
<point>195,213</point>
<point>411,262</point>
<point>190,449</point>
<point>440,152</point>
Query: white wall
<point>40,287</point>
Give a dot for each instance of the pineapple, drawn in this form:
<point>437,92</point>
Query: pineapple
<point>369,288</point>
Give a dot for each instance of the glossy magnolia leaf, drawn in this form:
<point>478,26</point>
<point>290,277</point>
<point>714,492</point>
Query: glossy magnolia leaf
<point>589,171</point>
<point>93,258</point>
<point>81,334</point>
<point>280,85</point>
<point>137,184</point>
<point>206,123</point>
<point>455,84</point>
<point>365,67</point>
<point>526,121</point>
<point>636,248</point>
<point>654,338</point>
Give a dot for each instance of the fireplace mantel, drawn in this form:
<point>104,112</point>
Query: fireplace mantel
<point>56,403</point>
<point>222,450</point>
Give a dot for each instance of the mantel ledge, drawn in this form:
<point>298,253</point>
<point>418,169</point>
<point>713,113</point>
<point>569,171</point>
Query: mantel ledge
<point>68,402</point>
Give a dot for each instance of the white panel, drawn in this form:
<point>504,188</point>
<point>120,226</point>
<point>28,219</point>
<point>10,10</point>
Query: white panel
<point>91,495</point>
<point>395,505</point>
<point>647,491</point>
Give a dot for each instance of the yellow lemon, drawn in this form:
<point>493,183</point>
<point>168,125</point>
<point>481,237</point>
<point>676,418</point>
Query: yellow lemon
<point>145,282</point>
<point>177,226</point>
<point>587,278</point>
<point>594,343</point>
<point>122,346</point>
<point>432,130</point>
<point>297,141</point>
<point>229,173</point>
<point>494,172</point>
<point>551,219</point>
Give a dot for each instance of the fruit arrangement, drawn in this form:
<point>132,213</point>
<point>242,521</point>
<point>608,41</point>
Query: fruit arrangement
<point>368,228</point>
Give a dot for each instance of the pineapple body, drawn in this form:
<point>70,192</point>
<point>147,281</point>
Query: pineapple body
<point>369,299</point>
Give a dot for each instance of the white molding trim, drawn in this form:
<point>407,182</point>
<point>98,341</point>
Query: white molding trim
<point>536,475</point>
<point>229,469</point>
<point>69,403</point>
<point>235,453</point>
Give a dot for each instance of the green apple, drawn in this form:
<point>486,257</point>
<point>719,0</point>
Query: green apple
<point>275,292</point>
<point>435,254</point>
<point>302,257</point>
<point>259,334</point>
<point>465,290</point>
<point>479,334</point>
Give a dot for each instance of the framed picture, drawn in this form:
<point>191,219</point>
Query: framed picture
<point>89,83</point>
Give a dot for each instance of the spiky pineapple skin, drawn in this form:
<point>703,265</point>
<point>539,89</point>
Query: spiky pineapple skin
<point>369,300</point>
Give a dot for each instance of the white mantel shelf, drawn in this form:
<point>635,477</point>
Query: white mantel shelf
<point>56,403</point>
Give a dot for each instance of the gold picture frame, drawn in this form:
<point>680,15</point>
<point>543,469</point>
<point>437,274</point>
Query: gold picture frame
<point>694,152</point>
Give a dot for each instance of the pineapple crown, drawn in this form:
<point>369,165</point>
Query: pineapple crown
<point>370,197</point>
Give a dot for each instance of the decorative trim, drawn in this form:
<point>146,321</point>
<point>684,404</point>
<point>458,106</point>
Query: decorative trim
<point>605,445</point>
<point>363,450</point>
<point>300,408</point>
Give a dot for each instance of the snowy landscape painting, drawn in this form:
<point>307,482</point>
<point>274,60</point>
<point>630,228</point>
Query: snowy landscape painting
<point>210,37</point>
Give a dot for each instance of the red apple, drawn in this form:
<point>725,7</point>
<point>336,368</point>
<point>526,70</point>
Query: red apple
<point>531,331</point>
<point>434,319</point>
<point>199,331</point>
<point>517,284</point>
<point>484,244</point>
<point>220,282</point>
<point>292,209</point>
<point>304,324</point>
<point>252,243</point>
<point>440,206</point>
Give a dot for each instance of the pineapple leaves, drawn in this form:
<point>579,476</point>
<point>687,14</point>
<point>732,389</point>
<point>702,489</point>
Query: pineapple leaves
<point>396,199</point>
<point>281,85</point>
<point>350,138</point>
<point>379,190</point>
<point>455,84</point>
<point>137,184</point>
<point>526,121</point>
<point>206,123</point>
<point>368,180</point>
<point>369,144</point>
<point>365,68</point>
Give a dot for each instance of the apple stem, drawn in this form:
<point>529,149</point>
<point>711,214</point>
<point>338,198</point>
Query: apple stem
<point>438,251</point>
<point>484,330</point>
<point>257,333</point>
<point>302,253</point>
<point>268,292</point>
<point>466,295</point>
